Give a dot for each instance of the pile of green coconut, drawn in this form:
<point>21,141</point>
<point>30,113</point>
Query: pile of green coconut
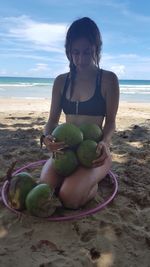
<point>25,193</point>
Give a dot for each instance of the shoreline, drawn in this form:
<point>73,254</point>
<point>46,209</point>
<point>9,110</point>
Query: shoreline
<point>17,102</point>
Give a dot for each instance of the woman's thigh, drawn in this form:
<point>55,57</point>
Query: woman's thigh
<point>48,174</point>
<point>77,187</point>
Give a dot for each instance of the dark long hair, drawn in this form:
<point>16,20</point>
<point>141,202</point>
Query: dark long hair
<point>87,28</point>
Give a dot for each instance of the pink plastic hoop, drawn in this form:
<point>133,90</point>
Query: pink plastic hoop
<point>60,218</point>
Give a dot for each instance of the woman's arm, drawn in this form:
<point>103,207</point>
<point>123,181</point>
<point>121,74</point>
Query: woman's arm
<point>55,109</point>
<point>112,101</point>
<point>54,115</point>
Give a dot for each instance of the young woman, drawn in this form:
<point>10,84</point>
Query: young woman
<point>86,94</point>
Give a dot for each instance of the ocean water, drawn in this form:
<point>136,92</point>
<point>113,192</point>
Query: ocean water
<point>24,87</point>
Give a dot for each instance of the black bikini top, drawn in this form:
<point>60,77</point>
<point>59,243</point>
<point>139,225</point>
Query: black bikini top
<point>95,106</point>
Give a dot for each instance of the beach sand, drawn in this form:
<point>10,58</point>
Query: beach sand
<point>117,236</point>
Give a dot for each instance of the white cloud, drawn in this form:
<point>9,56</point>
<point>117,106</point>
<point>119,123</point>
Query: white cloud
<point>114,4</point>
<point>127,66</point>
<point>118,69</point>
<point>59,70</point>
<point>3,72</point>
<point>125,57</point>
<point>59,59</point>
<point>40,67</point>
<point>44,36</point>
<point>128,56</point>
<point>124,8</point>
<point>136,16</point>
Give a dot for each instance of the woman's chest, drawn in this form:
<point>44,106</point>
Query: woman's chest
<point>81,91</point>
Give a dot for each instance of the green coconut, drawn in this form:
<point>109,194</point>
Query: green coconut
<point>68,133</point>
<point>65,163</point>
<point>91,131</point>
<point>39,201</point>
<point>20,185</point>
<point>86,153</point>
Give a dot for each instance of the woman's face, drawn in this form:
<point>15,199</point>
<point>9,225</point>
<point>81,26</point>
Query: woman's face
<point>82,53</point>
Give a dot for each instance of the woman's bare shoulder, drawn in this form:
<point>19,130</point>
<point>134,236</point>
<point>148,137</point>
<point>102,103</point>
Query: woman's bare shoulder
<point>59,83</point>
<point>110,84</point>
<point>61,78</point>
<point>109,76</point>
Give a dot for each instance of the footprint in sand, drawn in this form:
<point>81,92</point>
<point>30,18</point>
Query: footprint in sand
<point>88,235</point>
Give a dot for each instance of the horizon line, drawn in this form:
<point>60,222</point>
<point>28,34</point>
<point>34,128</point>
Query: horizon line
<point>32,77</point>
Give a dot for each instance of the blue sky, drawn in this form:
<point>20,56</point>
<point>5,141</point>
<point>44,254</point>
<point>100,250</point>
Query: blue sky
<point>32,35</point>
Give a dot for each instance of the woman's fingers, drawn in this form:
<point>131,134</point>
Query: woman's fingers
<point>100,161</point>
<point>102,153</point>
<point>55,146</point>
<point>50,138</point>
<point>101,158</point>
<point>52,145</point>
<point>99,149</point>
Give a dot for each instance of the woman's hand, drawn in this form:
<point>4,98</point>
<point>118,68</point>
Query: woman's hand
<point>52,145</point>
<point>103,153</point>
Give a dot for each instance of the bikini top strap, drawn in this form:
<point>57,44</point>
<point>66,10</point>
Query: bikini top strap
<point>67,81</point>
<point>98,81</point>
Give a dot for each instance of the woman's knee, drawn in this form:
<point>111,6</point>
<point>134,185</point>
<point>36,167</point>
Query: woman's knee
<point>48,175</point>
<point>69,197</point>
<point>92,192</point>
